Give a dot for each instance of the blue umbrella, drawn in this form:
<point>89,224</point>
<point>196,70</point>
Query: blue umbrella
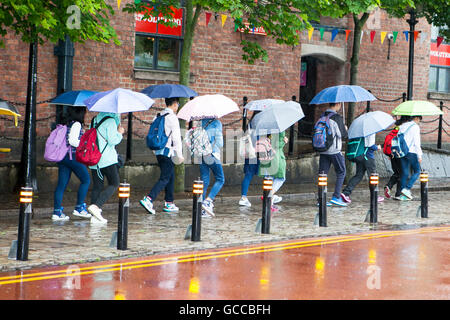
<point>73,98</point>
<point>168,90</point>
<point>342,93</point>
<point>119,101</point>
<point>369,123</point>
<point>277,118</point>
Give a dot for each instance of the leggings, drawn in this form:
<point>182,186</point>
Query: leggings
<point>99,195</point>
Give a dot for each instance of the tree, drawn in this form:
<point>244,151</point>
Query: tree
<point>281,19</point>
<point>39,21</point>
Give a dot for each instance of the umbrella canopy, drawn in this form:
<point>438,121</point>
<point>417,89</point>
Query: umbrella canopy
<point>119,101</point>
<point>259,105</point>
<point>277,118</point>
<point>416,108</point>
<point>342,93</point>
<point>369,123</point>
<point>9,110</point>
<point>73,98</point>
<point>207,106</point>
<point>168,90</point>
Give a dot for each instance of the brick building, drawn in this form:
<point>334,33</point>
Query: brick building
<point>217,67</point>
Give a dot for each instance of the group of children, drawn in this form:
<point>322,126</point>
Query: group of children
<point>110,134</point>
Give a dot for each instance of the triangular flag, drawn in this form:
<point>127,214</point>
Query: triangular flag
<point>208,17</point>
<point>347,32</point>
<point>395,34</point>
<point>416,34</point>
<point>439,41</point>
<point>321,33</point>
<point>406,35</point>
<point>334,33</point>
<point>372,35</point>
<point>310,33</point>
<point>423,36</point>
<point>224,18</point>
<point>383,35</point>
<point>118,4</point>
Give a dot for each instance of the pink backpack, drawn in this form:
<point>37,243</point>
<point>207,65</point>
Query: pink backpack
<point>264,150</point>
<point>56,146</point>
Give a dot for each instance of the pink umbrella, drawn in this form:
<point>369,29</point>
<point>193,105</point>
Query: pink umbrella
<point>207,106</point>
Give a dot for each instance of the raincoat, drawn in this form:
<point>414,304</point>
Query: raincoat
<point>276,168</point>
<point>108,136</point>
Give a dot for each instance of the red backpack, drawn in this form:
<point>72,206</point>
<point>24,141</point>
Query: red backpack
<point>388,142</point>
<point>87,151</point>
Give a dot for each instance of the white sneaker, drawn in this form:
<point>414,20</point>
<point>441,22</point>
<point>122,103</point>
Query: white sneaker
<point>276,199</point>
<point>170,207</point>
<point>208,206</point>
<point>205,215</point>
<point>80,211</point>
<point>96,213</point>
<point>407,193</point>
<point>58,215</point>
<point>244,202</point>
<point>147,204</point>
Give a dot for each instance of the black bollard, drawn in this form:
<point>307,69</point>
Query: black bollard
<point>424,195</point>
<point>322,193</point>
<point>197,199</point>
<point>373,187</point>
<point>26,200</point>
<point>124,205</point>
<point>266,206</point>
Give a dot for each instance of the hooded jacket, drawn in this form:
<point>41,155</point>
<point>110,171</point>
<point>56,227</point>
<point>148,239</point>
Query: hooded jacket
<point>339,132</point>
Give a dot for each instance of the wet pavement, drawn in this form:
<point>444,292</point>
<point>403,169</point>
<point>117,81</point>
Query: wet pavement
<point>77,241</point>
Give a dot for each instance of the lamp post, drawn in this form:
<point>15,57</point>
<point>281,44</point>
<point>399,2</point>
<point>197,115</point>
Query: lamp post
<point>412,21</point>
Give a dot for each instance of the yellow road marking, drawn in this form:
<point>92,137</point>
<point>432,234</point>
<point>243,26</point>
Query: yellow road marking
<point>210,255</point>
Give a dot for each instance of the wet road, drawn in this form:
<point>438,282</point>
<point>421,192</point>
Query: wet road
<point>406,264</point>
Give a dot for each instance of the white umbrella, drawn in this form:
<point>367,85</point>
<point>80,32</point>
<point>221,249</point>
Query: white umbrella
<point>277,118</point>
<point>369,123</point>
<point>207,106</point>
<point>259,105</point>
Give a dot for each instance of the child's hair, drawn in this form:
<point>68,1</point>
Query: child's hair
<point>75,114</point>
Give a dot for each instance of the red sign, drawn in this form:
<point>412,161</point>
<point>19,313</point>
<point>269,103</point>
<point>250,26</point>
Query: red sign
<point>151,24</point>
<point>258,30</point>
<point>440,56</point>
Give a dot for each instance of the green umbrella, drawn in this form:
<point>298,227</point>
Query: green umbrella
<point>416,108</point>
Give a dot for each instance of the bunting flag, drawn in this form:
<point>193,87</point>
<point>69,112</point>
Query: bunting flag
<point>224,18</point>
<point>406,35</point>
<point>383,35</point>
<point>395,34</point>
<point>416,34</point>
<point>321,33</point>
<point>310,33</point>
<point>118,4</point>
<point>334,33</point>
<point>372,35</point>
<point>347,32</point>
<point>236,25</point>
<point>208,17</point>
<point>439,41</point>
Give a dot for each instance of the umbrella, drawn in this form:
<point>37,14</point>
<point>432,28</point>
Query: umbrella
<point>167,90</point>
<point>369,123</point>
<point>119,101</point>
<point>259,105</point>
<point>342,93</point>
<point>207,106</point>
<point>73,98</point>
<point>9,110</point>
<point>277,117</point>
<point>416,108</point>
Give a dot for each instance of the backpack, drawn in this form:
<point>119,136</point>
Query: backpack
<point>156,137</point>
<point>56,146</point>
<point>246,149</point>
<point>87,151</point>
<point>355,149</point>
<point>399,148</point>
<point>197,140</point>
<point>322,137</point>
<point>388,142</point>
<point>264,150</point>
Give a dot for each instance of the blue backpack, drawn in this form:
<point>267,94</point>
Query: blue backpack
<point>322,137</point>
<point>156,137</point>
<point>399,148</point>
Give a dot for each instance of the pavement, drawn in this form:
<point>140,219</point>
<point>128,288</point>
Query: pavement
<point>77,241</point>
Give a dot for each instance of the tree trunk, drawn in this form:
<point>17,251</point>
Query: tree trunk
<point>185,70</point>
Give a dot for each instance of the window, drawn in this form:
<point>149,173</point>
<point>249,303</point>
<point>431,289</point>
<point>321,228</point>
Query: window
<point>439,79</point>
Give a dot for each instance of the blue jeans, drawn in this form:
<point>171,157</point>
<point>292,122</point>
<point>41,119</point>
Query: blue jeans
<point>65,169</point>
<point>250,170</point>
<point>209,162</point>
<point>410,160</point>
<point>338,161</point>
<point>166,179</point>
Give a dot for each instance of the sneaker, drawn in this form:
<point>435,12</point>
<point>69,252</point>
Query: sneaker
<point>244,202</point>
<point>205,215</point>
<point>58,215</point>
<point>387,192</point>
<point>328,204</point>
<point>274,209</point>
<point>208,206</point>
<point>96,213</point>
<point>276,199</point>
<point>81,211</point>
<point>397,197</point>
<point>170,207</point>
<point>403,198</point>
<point>380,199</point>
<point>407,193</point>
<point>147,204</point>
<point>338,202</point>
<point>346,198</point>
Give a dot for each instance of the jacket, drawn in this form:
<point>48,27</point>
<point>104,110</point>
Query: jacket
<point>339,132</point>
<point>369,144</point>
<point>108,136</point>
<point>276,168</point>
<point>214,131</point>
<point>172,130</point>
<point>412,137</point>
